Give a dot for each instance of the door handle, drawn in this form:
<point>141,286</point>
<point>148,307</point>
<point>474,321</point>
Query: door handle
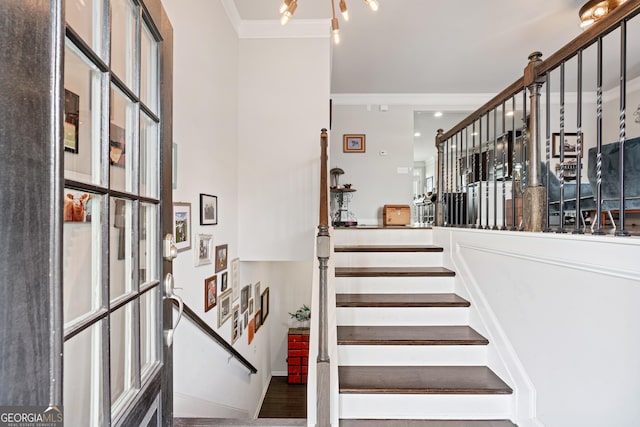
<point>169,249</point>
<point>169,294</point>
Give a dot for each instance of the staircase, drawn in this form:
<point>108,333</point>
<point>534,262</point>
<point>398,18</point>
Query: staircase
<point>406,354</point>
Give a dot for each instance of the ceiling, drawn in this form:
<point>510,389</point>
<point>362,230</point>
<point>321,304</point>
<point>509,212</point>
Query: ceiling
<point>427,46</point>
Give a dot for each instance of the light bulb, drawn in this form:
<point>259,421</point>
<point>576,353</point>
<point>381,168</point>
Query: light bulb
<point>284,19</point>
<point>288,14</point>
<point>284,6</point>
<point>343,10</point>
<point>373,4</point>
<point>335,29</point>
<point>600,11</point>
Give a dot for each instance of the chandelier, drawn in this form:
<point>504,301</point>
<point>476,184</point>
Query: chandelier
<point>288,8</point>
<point>594,10</point>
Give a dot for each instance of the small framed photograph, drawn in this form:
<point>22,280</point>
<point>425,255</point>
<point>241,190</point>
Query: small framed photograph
<point>256,294</point>
<point>258,318</point>
<point>251,306</point>
<point>204,244</point>
<point>182,226</point>
<point>244,298</point>
<point>208,209</point>
<point>246,320</point>
<point>224,284</point>
<point>224,309</point>
<point>264,305</point>
<point>353,143</point>
<point>210,293</point>
<point>235,324</point>
<point>221,258</point>
<point>235,278</point>
<point>71,121</point>
<point>252,330</point>
<point>570,144</point>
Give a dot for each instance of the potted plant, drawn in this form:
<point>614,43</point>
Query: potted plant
<point>302,315</point>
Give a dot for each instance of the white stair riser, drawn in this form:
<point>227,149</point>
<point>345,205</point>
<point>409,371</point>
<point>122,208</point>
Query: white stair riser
<point>412,355</point>
<point>394,285</point>
<point>406,316</point>
<point>388,259</point>
<point>382,237</point>
<point>425,406</point>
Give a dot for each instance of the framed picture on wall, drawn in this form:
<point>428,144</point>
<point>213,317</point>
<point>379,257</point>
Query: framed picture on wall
<point>221,258</point>
<point>204,245</point>
<point>235,278</point>
<point>570,144</point>
<point>224,283</point>
<point>182,226</point>
<point>210,293</point>
<point>71,121</point>
<point>208,209</point>
<point>353,143</point>
<point>265,305</point>
<point>224,308</point>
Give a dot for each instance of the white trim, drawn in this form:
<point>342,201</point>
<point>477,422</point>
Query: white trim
<point>232,13</point>
<point>444,101</point>
<point>279,374</point>
<point>261,400</point>
<point>296,29</point>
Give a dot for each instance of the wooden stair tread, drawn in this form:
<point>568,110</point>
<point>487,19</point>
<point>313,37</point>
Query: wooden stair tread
<point>388,248</point>
<point>426,423</point>
<point>400,300</point>
<point>420,380</point>
<point>394,272</point>
<point>409,335</point>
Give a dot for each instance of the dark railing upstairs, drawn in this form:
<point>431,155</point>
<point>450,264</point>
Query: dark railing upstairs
<point>204,327</point>
<point>495,171</point>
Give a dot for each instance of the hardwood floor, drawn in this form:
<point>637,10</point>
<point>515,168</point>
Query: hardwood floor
<point>284,400</point>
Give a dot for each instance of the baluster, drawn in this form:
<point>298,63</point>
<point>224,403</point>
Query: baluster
<point>561,228</point>
<point>473,174</point>
<point>579,218</point>
<point>495,169</point>
<point>488,227</point>
<point>514,196</point>
<point>481,173</point>
<point>505,141</point>
<point>621,231</point>
<point>456,208</point>
<point>525,150</point>
<point>547,157</point>
<point>599,230</point>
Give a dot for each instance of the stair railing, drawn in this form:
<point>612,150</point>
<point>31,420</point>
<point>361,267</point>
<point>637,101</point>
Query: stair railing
<point>204,327</point>
<point>490,150</point>
<point>323,252</point>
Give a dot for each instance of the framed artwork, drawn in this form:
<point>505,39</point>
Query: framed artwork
<point>71,121</point>
<point>77,206</point>
<point>235,324</point>
<point>251,306</point>
<point>235,278</point>
<point>570,144</point>
<point>208,209</point>
<point>428,183</point>
<point>264,303</point>
<point>258,318</point>
<point>210,293</point>
<point>221,258</point>
<point>204,244</point>
<point>246,320</point>
<point>256,294</point>
<point>353,143</point>
<point>224,284</point>
<point>252,330</point>
<point>244,298</point>
<point>117,146</point>
<point>224,308</point>
<point>182,226</point>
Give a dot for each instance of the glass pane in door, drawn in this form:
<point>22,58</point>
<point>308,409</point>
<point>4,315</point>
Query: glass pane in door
<point>82,113</point>
<point>120,248</point>
<point>82,388</point>
<point>122,356</point>
<point>149,157</point>
<point>124,17</point>
<point>86,18</point>
<point>121,141</point>
<point>148,69</point>
<point>149,332</point>
<point>82,255</point>
<point>149,230</point>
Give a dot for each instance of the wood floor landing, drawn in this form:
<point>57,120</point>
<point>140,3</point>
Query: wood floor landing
<point>236,422</point>
<point>388,248</point>
<point>409,335</point>
<point>400,300</point>
<point>420,380</point>
<point>426,423</point>
<point>394,272</point>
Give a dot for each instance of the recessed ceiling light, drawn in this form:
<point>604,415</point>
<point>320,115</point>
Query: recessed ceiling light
<point>417,134</point>
<point>437,114</point>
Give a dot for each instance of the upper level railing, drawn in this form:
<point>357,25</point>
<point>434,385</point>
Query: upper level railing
<point>204,327</point>
<point>498,170</point>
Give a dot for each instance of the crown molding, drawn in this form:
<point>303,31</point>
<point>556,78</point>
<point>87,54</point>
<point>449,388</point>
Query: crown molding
<point>435,101</point>
<point>232,13</point>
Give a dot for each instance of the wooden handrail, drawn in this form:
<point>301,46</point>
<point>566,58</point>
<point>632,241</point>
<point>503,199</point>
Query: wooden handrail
<point>324,202</point>
<point>204,327</point>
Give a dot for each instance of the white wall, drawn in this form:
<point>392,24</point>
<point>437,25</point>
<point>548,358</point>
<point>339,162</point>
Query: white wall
<point>375,177</point>
<point>565,305</point>
<point>283,104</point>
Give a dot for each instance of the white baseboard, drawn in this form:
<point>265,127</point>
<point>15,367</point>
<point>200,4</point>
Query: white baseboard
<point>279,373</point>
<point>261,400</point>
<point>186,406</point>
